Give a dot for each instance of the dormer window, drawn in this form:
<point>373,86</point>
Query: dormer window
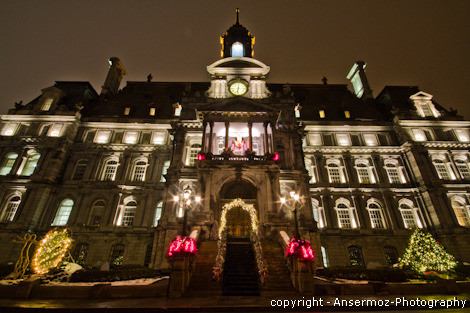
<point>127,111</point>
<point>462,135</point>
<point>321,113</point>
<point>152,111</point>
<point>237,50</point>
<point>9,129</point>
<point>424,105</point>
<point>46,106</point>
<point>178,109</point>
<point>297,110</point>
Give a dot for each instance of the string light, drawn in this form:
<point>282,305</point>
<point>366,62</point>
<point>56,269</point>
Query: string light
<point>51,251</point>
<point>235,204</point>
<point>425,254</point>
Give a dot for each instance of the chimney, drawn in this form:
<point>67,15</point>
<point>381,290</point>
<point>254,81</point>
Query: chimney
<point>113,80</point>
<point>357,76</point>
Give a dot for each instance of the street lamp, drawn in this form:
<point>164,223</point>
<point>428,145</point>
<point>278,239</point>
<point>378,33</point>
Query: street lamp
<point>291,203</point>
<point>187,203</point>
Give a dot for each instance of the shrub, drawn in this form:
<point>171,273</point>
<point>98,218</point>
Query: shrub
<point>113,275</point>
<point>462,271</point>
<point>360,273</point>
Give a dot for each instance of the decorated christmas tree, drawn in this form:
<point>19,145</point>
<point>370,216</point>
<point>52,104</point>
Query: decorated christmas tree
<point>51,250</point>
<point>424,254</point>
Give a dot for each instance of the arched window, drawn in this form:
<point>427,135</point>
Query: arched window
<point>318,213</point>
<point>165,167</point>
<point>365,172</point>
<point>193,152</point>
<point>335,171</point>
<point>443,170</point>
<point>10,208</point>
<point>355,256</point>
<point>80,168</point>
<point>345,214</point>
<point>409,214</point>
<point>8,163</point>
<point>97,211</point>
<point>375,214</point>
<point>310,166</point>
<point>394,172</point>
<point>128,213</point>
<point>30,164</point>
<point>158,213</point>
<point>109,170</point>
<point>116,255</point>
<point>81,252</point>
<point>63,213</point>
<point>140,168</point>
<point>461,210</point>
<point>463,168</point>
<point>237,50</point>
<point>391,255</point>
<point>326,262</point>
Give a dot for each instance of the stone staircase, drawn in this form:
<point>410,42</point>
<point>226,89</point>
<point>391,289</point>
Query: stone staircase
<point>201,283</point>
<point>240,276</point>
<point>278,280</point>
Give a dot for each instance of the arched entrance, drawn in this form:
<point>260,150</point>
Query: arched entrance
<point>238,221</point>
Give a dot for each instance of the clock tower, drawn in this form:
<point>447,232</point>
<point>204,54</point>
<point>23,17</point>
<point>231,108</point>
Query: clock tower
<point>238,74</point>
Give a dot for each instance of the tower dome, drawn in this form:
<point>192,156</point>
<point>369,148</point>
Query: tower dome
<point>237,41</point>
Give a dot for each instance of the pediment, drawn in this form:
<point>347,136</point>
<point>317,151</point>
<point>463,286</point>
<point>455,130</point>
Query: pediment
<point>421,95</point>
<point>237,104</point>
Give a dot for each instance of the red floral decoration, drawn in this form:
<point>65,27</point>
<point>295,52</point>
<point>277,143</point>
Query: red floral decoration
<point>300,249</point>
<point>276,156</point>
<point>181,246</point>
<point>201,156</point>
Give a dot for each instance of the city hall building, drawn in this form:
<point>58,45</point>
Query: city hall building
<point>113,166</point>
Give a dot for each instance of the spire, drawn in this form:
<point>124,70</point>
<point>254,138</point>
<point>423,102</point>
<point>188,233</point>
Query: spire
<point>238,17</point>
<point>237,40</point>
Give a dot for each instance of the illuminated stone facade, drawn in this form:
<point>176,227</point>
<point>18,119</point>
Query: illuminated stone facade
<point>108,165</point>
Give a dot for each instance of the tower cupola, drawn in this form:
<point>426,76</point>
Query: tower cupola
<point>237,41</point>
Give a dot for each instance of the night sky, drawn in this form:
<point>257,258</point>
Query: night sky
<point>424,43</point>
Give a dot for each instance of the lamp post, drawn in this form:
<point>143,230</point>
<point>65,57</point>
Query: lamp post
<point>188,201</point>
<point>291,203</point>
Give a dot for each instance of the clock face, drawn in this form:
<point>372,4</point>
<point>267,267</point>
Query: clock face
<point>238,88</point>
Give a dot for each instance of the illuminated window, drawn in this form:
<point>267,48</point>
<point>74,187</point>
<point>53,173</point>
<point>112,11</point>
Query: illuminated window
<point>237,50</point>
<point>56,130</point>
<point>30,164</point>
<point>463,168</point>
<point>140,168</point>
<point>46,106</point>
<point>443,169</point>
<point>80,169</point>
<point>335,171</point>
<point>178,109</point>
<point>158,137</point>
<point>314,139</point>
<point>63,213</point>
<point>321,113</point>
<point>409,214</point>
<point>394,172</point>
<point>131,137</point>
<point>10,208</point>
<point>165,167</point>
<point>355,256</point>
<point>152,111</point>
<point>462,135</point>
<point>418,134</point>
<point>8,163</point>
<point>310,166</point>
<point>109,171</point>
<point>461,209</point>
<point>158,214</point>
<point>127,111</point>
<point>326,262</point>
<point>102,136</point>
<point>365,172</point>
<point>376,215</point>
<point>347,114</point>
<point>9,129</point>
<point>116,255</point>
<point>345,213</point>
<point>193,152</point>
<point>343,139</point>
<point>129,213</point>
<point>318,213</point>
<point>97,212</point>
<point>371,139</point>
<point>297,110</point>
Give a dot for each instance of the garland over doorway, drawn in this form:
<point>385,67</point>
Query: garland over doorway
<point>238,203</point>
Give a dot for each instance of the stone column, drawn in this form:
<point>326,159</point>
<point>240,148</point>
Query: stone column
<point>250,126</point>
<point>211,124</point>
<point>268,150</point>
<point>204,147</point>
<point>227,125</point>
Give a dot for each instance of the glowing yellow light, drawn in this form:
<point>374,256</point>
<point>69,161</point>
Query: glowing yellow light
<point>198,199</point>
<point>283,200</point>
<point>176,198</point>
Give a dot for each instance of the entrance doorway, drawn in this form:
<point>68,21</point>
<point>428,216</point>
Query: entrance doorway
<point>238,223</point>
